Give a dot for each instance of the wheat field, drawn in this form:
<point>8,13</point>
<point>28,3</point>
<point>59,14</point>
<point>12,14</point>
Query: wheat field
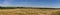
<point>29,12</point>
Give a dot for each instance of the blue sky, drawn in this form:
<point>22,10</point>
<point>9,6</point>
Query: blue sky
<point>31,3</point>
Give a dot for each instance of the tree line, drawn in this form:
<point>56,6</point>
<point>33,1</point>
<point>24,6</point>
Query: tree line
<point>25,7</point>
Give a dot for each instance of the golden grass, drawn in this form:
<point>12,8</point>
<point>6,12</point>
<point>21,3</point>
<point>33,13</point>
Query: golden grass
<point>28,12</point>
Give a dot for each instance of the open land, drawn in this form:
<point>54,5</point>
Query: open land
<point>29,11</point>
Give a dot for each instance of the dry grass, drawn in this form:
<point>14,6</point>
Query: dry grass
<point>28,12</point>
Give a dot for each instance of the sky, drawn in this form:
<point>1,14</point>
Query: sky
<point>30,3</point>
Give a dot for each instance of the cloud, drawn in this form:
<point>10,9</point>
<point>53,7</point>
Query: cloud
<point>6,3</point>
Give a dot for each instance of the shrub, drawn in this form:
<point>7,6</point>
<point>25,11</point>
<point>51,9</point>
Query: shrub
<point>57,13</point>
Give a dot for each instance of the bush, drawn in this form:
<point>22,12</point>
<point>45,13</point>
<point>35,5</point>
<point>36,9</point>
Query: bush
<point>57,13</point>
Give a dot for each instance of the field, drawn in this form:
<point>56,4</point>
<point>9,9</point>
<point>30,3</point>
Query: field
<point>29,11</point>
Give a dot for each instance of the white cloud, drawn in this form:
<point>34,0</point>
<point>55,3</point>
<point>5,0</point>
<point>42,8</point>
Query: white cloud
<point>6,3</point>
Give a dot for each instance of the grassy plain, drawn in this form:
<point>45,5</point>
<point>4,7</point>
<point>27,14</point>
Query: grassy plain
<point>29,11</point>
